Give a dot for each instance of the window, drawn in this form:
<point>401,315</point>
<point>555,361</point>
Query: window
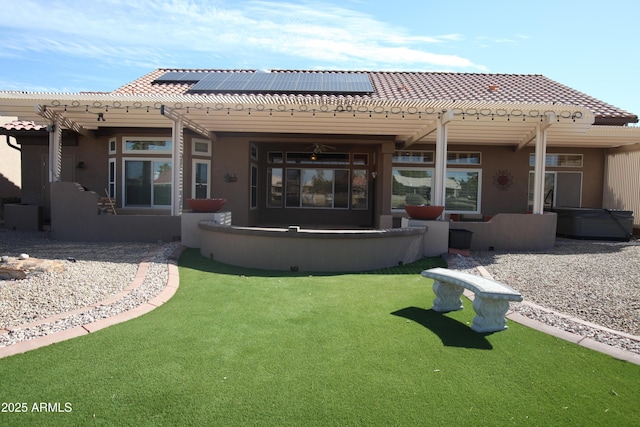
<point>463,191</point>
<point>359,189</point>
<point>559,160</point>
<point>146,145</point>
<point>274,195</point>
<point>411,156</point>
<point>317,180</point>
<point>361,159</point>
<point>254,152</point>
<point>253,199</point>
<point>317,188</point>
<point>319,158</point>
<point>200,147</point>
<point>112,146</point>
<point>275,157</point>
<point>410,186</point>
<point>148,183</point>
<point>561,189</point>
<point>200,189</point>
<point>112,178</point>
<point>463,158</point>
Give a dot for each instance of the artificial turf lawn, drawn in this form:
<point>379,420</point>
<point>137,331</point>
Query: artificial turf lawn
<point>242,347</point>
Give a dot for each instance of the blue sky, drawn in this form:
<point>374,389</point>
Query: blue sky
<point>79,45</point>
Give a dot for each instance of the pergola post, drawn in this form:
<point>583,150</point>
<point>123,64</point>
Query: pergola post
<point>539,170</point>
<point>55,150</point>
<point>177,136</point>
<point>439,182</point>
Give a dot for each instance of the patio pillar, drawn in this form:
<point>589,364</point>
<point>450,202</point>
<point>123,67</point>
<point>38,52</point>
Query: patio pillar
<point>439,182</point>
<point>539,170</point>
<point>55,150</point>
<point>177,136</point>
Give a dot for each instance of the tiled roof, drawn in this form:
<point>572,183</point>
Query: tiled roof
<point>517,88</point>
<point>22,125</point>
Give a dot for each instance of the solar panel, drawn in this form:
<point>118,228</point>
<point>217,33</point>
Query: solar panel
<point>293,82</point>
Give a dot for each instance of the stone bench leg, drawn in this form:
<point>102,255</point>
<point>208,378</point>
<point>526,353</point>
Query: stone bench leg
<point>490,314</point>
<point>447,296</point>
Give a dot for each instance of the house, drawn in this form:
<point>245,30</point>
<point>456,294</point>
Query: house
<point>323,149</point>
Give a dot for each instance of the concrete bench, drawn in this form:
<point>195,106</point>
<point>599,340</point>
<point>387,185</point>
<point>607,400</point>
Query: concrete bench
<point>491,298</point>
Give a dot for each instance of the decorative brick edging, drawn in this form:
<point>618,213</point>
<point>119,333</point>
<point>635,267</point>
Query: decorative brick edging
<point>173,282</point>
<point>586,342</point>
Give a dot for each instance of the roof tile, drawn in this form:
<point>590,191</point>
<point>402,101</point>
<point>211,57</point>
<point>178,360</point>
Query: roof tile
<point>22,125</point>
<point>520,88</point>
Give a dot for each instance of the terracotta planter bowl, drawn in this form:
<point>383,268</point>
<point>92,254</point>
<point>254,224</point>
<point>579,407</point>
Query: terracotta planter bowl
<point>206,205</point>
<point>424,212</point>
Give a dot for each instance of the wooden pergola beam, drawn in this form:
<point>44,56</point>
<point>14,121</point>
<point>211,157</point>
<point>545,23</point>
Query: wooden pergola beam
<point>186,122</point>
<point>54,117</point>
<point>546,123</point>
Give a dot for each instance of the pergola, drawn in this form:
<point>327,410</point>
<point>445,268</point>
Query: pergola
<point>407,122</point>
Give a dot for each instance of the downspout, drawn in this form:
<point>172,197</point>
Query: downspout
<point>15,147</point>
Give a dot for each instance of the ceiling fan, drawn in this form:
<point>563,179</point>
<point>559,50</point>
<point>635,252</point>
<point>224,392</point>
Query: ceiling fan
<point>319,149</point>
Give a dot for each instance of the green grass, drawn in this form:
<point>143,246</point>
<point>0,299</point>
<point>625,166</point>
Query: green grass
<point>242,347</point>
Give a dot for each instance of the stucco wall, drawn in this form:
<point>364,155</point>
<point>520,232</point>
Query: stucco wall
<point>308,250</point>
<point>10,179</point>
<point>231,157</point>
<point>75,217</point>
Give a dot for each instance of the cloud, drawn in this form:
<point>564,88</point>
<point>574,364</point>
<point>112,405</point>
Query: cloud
<point>151,34</point>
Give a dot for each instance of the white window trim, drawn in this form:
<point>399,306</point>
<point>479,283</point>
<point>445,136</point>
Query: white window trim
<point>555,184</point>
<point>253,204</point>
<point>145,138</point>
<point>115,180</point>
<point>193,177</point>
<point>253,151</point>
<point>398,153</point>
<point>479,202</point>
<point>532,159</point>
<point>478,170</point>
<point>457,153</point>
<point>200,153</point>
<point>413,168</point>
<point>124,183</point>
<point>113,142</point>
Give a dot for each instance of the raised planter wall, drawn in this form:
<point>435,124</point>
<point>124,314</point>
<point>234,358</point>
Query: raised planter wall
<point>512,232</point>
<point>310,250</point>
<point>74,217</point>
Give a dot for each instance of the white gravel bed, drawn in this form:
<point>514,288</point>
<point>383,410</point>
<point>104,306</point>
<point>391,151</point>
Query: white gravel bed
<point>595,282</point>
<point>100,270</point>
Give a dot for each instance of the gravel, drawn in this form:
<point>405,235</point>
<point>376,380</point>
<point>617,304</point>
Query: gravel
<point>93,272</point>
<point>588,288</point>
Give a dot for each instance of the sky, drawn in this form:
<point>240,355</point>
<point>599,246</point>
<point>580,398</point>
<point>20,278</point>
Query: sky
<point>80,45</point>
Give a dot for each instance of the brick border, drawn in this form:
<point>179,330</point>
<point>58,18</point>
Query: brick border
<point>173,282</point>
<point>586,342</point>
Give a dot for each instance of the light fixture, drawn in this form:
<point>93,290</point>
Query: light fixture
<point>314,156</point>
<point>101,117</point>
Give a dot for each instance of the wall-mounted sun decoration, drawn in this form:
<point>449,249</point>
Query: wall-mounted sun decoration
<point>502,179</point>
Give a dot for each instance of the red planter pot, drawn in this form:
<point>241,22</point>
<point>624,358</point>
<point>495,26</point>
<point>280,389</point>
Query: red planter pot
<point>206,205</point>
<point>424,212</point>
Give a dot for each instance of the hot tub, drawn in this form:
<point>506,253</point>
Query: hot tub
<point>599,224</point>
